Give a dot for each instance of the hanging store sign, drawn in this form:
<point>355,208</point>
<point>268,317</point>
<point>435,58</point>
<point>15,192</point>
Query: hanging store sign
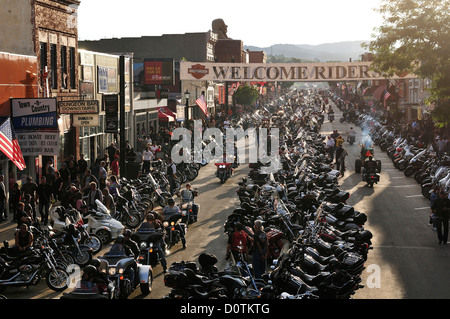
<point>34,113</point>
<point>297,72</point>
<point>47,120</point>
<point>38,143</point>
<point>25,107</point>
<point>86,120</point>
<point>78,107</point>
<point>111,106</point>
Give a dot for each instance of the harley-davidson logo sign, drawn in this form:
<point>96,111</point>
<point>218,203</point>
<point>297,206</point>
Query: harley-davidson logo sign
<point>198,71</point>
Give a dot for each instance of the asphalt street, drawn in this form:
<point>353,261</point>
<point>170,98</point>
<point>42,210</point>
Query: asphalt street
<point>406,261</point>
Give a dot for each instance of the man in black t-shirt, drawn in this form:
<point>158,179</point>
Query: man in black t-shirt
<point>45,193</point>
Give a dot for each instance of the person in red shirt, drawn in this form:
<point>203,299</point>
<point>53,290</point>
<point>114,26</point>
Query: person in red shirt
<point>115,166</point>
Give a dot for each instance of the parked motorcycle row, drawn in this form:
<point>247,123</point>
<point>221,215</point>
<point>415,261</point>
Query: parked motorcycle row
<point>317,242</point>
<point>411,156</point>
<point>75,237</point>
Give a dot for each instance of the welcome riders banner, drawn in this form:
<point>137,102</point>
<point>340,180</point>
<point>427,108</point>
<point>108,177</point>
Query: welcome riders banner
<point>296,72</point>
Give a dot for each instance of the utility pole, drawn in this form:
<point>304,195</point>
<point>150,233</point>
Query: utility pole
<point>123,145</point>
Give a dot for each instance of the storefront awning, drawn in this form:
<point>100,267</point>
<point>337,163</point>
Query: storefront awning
<point>165,114</point>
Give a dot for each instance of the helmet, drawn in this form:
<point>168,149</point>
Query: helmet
<point>89,270</point>
<point>127,232</point>
<point>120,239</point>
<point>96,262</point>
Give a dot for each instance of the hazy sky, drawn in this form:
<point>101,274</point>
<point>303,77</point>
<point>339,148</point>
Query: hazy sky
<point>256,23</point>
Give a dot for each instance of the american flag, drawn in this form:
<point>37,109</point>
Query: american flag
<point>9,145</point>
<point>202,104</point>
<point>386,96</point>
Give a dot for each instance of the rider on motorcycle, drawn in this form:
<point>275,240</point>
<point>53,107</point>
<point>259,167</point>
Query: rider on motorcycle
<point>172,209</point>
<point>153,224</point>
<point>121,248</point>
<point>369,166</point>
<point>187,195</point>
<point>351,134</point>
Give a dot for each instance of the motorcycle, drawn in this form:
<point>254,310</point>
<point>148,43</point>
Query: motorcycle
<point>123,214</point>
<point>223,171</point>
<point>351,139</point>
<point>117,265</point>
<point>331,117</point>
<point>28,268</point>
<point>159,196</point>
<point>371,177</point>
<point>70,239</point>
<point>61,218</point>
<point>173,227</point>
<point>100,223</point>
<point>147,240</point>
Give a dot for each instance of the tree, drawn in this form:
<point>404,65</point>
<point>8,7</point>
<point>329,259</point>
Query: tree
<point>415,37</point>
<point>245,95</point>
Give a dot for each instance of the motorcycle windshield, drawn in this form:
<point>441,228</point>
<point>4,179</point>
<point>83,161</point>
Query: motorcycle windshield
<point>152,180</point>
<point>102,208</point>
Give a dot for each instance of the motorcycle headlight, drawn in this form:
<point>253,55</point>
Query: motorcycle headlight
<point>143,245</point>
<point>112,271</point>
<point>165,224</point>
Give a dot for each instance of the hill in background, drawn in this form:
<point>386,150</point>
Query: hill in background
<point>327,52</point>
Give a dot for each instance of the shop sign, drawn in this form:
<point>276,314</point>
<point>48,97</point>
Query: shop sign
<point>78,107</point>
<point>47,120</point>
<point>25,107</point>
<point>86,120</point>
<point>111,106</point>
<point>38,143</point>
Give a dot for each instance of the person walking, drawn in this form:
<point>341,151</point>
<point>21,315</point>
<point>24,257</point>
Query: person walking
<point>329,146</point>
<point>341,161</point>
<point>115,166</point>
<point>433,196</point>
<point>441,209</point>
<point>44,194</point>
<point>260,248</point>
<point>147,156</point>
<point>171,175</point>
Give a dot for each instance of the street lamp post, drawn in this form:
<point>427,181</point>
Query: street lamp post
<point>186,108</point>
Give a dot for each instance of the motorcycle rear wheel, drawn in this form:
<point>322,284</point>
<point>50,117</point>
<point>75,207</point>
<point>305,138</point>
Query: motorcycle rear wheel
<point>146,288</point>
